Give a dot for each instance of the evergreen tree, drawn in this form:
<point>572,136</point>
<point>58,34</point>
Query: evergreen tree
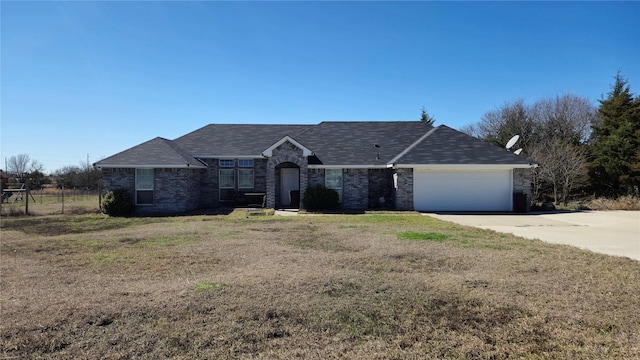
<point>426,118</point>
<point>615,150</point>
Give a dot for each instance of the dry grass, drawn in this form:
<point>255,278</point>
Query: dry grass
<point>362,286</point>
<point>51,202</point>
<point>621,203</point>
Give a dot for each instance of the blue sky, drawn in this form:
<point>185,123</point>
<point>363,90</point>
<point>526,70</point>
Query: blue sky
<point>95,78</point>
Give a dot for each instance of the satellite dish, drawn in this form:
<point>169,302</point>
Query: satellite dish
<point>512,141</point>
<point>517,152</point>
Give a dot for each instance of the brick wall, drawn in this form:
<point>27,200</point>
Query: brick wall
<point>118,179</point>
<point>175,190</point>
<point>113,179</point>
<point>285,153</point>
<point>210,192</point>
<point>355,189</point>
<point>260,175</point>
<point>361,188</point>
<point>209,185</point>
<point>404,194</point>
<point>380,186</point>
<point>522,183</point>
<point>316,176</point>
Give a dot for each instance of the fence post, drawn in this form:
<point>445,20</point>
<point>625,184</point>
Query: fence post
<point>26,202</point>
<point>100,195</point>
<point>63,199</point>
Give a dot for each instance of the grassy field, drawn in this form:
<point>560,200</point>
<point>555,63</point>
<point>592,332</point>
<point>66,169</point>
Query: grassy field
<point>52,202</point>
<point>373,286</point>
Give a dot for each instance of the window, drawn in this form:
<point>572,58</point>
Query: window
<point>227,163</point>
<point>144,186</point>
<point>245,178</point>
<point>333,180</point>
<point>227,182</point>
<point>227,179</point>
<point>245,163</point>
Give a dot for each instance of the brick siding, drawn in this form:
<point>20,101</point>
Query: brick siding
<point>355,189</point>
<point>522,183</point>
<point>283,154</point>
<point>175,190</point>
<point>404,192</point>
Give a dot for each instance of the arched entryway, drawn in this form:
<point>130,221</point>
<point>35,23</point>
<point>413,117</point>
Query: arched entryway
<point>288,189</point>
<point>281,181</point>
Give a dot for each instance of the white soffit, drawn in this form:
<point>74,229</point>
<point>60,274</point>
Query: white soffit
<point>152,166</point>
<point>463,166</point>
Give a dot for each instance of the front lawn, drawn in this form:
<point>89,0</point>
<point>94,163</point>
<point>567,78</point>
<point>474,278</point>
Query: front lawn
<point>346,286</point>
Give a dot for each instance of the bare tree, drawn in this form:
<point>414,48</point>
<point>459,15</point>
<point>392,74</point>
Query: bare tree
<point>17,164</point>
<point>84,176</point>
<point>470,129</point>
<point>553,131</point>
<point>21,165</point>
<point>568,117</point>
<point>513,118</point>
<point>563,166</point>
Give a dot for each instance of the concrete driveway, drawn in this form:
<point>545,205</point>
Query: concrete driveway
<point>607,232</point>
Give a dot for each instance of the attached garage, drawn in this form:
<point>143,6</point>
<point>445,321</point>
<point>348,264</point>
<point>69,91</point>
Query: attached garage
<point>477,189</point>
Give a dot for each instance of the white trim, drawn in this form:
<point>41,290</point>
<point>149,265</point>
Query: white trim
<point>464,166</point>
<point>511,188</point>
<point>239,157</point>
<point>153,166</point>
<point>268,152</point>
<point>386,166</point>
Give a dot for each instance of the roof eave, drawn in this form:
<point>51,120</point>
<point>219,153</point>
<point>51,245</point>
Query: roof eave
<point>149,166</point>
<point>464,166</point>
<point>258,156</point>
<point>339,166</point>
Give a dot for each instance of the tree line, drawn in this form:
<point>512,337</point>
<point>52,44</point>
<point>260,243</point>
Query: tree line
<point>581,149</point>
<point>22,167</point>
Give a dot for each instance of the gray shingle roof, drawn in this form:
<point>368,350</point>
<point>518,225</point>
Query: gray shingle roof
<point>158,152</point>
<point>333,143</point>
<point>446,146</point>
<point>353,142</point>
<point>235,139</point>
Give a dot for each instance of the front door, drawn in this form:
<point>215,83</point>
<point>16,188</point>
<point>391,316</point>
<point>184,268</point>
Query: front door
<point>289,181</point>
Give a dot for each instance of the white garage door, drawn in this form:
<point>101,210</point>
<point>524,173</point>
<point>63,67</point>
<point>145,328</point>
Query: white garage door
<point>462,190</point>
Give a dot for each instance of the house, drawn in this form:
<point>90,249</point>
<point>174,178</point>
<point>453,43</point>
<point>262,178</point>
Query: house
<point>404,165</point>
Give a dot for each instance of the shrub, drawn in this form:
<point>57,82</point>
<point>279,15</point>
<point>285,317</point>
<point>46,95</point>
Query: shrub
<point>117,203</point>
<point>621,203</point>
<point>320,198</point>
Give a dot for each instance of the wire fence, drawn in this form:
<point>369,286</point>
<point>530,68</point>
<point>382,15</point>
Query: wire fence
<point>49,201</point>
